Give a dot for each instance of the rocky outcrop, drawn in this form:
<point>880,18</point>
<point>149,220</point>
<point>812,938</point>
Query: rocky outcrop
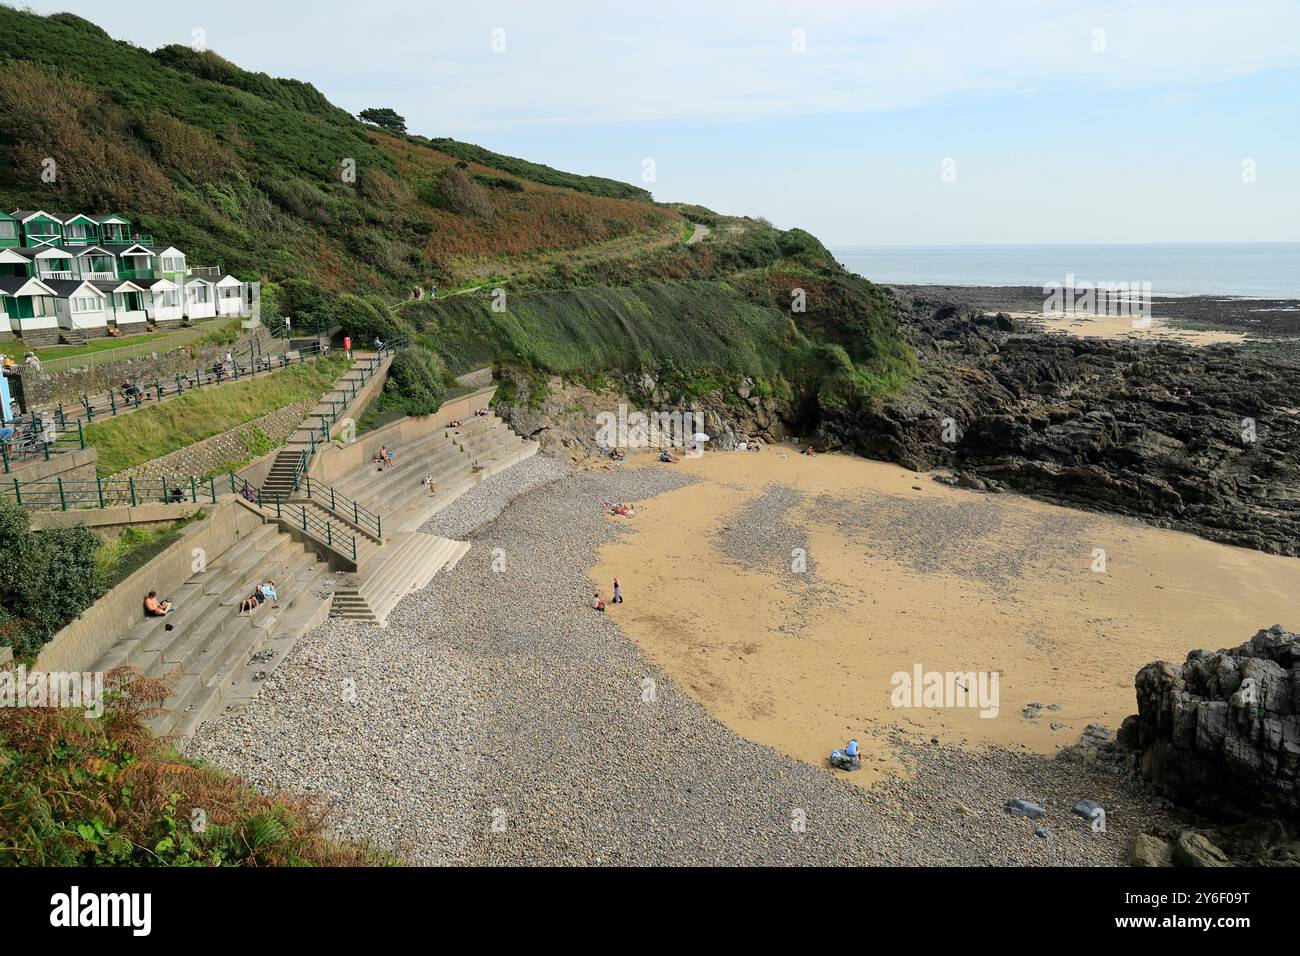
<point>1223,729</point>
<point>1202,439</point>
<point>565,417</point>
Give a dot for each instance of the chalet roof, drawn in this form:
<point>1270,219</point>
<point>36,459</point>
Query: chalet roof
<point>13,285</point>
<point>25,214</point>
<point>117,285</point>
<point>66,288</point>
<point>228,280</point>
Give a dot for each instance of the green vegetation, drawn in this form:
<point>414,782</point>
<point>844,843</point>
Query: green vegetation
<point>123,552</point>
<point>342,220</point>
<point>385,118</point>
<point>47,578</point>
<point>106,792</point>
<point>156,430</point>
<point>536,172</point>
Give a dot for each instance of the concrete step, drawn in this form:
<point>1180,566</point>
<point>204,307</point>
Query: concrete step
<point>410,564</point>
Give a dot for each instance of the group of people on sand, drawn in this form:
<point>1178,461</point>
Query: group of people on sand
<point>598,602</point>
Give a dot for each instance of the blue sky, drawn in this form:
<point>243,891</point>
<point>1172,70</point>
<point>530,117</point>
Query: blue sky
<point>1064,121</point>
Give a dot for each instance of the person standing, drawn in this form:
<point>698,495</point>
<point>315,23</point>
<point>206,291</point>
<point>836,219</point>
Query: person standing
<point>618,592</point>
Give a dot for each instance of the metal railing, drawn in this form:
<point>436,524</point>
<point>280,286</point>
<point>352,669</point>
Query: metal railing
<point>25,440</point>
<point>343,506</point>
<point>298,516</point>
<point>137,394</point>
<point>67,495</point>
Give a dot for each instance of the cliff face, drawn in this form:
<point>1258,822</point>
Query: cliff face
<point>1224,726</point>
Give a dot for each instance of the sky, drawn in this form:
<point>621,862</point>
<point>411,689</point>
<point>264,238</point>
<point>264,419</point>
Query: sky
<point>876,122</point>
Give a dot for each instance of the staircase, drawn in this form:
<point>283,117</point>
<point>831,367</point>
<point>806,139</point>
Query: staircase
<point>455,458</point>
<point>210,643</point>
<point>281,481</point>
<point>73,336</point>
<point>406,563</point>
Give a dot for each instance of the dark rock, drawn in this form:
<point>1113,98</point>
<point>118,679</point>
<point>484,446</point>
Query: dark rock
<point>1023,808</point>
<point>1088,809</point>
<point>1222,729</point>
<point>1103,424</point>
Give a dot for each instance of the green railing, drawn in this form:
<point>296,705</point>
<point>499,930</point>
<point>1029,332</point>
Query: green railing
<point>343,506</point>
<point>133,396</point>
<point>297,516</point>
<point>35,438</point>
<point>60,494</point>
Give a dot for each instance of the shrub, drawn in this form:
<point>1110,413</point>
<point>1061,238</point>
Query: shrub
<point>47,578</point>
<point>462,195</point>
<point>415,382</point>
<point>106,792</point>
<point>366,320</point>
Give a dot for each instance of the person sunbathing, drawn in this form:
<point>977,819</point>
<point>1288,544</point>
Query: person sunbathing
<point>385,456</point>
<point>665,456</point>
<point>249,604</point>
<point>156,608</point>
<point>597,602</point>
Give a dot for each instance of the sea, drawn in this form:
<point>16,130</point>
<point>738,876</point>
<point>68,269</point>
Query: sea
<point>1265,270</point>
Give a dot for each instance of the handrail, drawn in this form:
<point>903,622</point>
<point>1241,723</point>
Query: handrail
<point>66,495</point>
<point>115,401</point>
<point>342,542</point>
<point>325,496</point>
<point>24,440</point>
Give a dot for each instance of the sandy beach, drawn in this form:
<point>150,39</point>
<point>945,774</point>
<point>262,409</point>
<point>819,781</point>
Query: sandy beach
<point>1151,328</point>
<point>902,571</point>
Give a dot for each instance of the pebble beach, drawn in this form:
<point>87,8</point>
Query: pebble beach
<point>498,720</point>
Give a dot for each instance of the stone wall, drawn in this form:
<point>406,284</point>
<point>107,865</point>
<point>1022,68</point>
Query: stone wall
<point>202,457</point>
<point>45,389</point>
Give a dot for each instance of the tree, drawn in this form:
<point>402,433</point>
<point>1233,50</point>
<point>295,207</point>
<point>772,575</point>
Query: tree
<point>385,118</point>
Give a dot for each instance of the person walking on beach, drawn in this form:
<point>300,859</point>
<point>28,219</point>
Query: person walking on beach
<point>618,592</point>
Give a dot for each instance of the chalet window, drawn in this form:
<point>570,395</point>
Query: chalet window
<point>8,230</point>
<point>173,264</point>
<point>85,303</point>
<point>75,232</point>
<point>171,299</point>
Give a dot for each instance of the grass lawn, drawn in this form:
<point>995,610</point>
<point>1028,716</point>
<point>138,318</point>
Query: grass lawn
<point>101,345</point>
<point>210,332</point>
<point>152,432</point>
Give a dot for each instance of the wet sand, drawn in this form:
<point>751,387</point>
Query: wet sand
<point>900,571</point>
<point>1126,327</point>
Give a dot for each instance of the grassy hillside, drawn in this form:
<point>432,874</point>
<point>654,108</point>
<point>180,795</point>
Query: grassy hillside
<point>252,172</point>
<point>255,173</point>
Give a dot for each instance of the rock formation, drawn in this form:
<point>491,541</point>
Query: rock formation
<point>1102,424</point>
<point>1223,729</point>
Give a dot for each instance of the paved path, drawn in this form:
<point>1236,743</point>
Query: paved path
<point>698,235</point>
